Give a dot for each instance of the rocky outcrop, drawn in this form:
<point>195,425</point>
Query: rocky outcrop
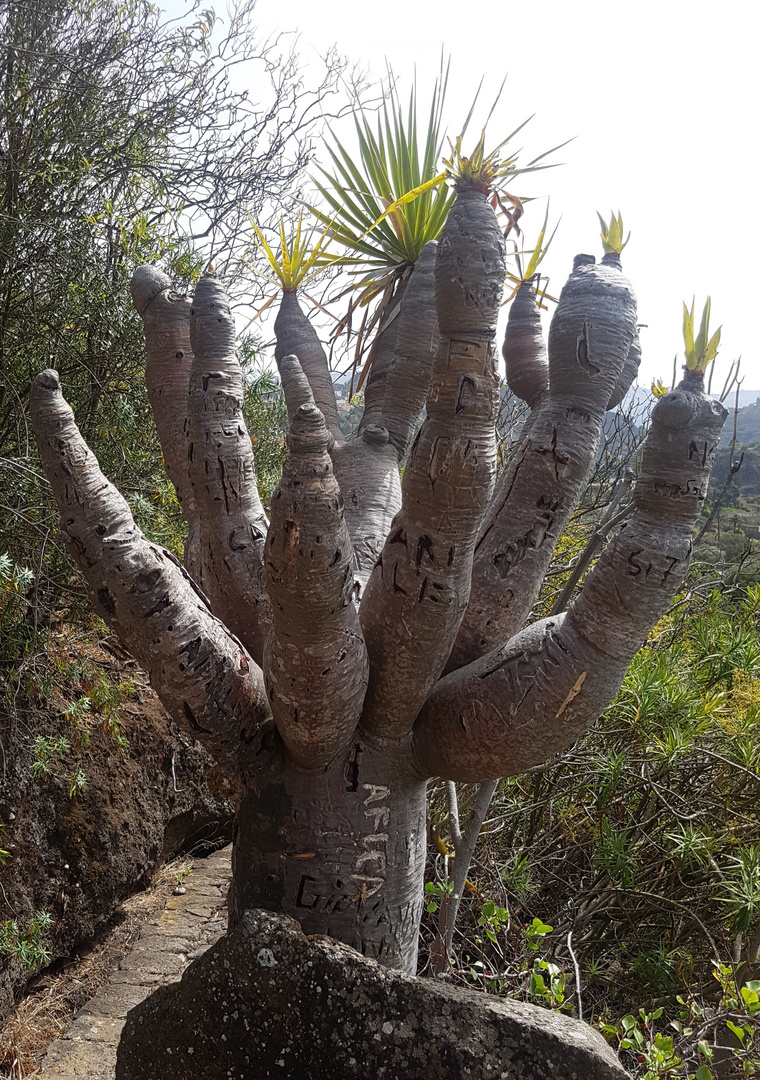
<point>76,857</point>
<point>267,1001</point>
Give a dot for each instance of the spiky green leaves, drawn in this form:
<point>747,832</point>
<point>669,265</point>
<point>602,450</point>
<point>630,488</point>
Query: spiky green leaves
<point>302,254</point>
<point>612,233</point>
<point>392,164</point>
<point>702,350</point>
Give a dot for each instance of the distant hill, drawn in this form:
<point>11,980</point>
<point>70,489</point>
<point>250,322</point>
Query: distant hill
<point>747,424</point>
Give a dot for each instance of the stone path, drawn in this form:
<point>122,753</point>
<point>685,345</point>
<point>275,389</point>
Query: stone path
<point>187,926</point>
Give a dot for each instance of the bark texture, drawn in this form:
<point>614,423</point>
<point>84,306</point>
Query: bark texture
<point>199,670</point>
<point>383,351</point>
<point>524,350</point>
<point>417,594</point>
<point>533,696</point>
<point>411,369</point>
<point>166,321</point>
<point>220,457</point>
<point>367,471</point>
<point>341,851</point>
<point>296,336</point>
<point>332,822</point>
<point>315,661</point>
<point>589,340</point>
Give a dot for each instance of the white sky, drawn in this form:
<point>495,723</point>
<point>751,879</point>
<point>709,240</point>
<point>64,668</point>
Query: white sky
<point>662,101</point>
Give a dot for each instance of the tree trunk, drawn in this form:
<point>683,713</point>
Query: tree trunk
<point>334,737</point>
<point>343,851</point>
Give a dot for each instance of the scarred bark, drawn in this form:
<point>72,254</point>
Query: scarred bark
<point>383,352</point>
<point>343,851</point>
<point>202,674</point>
<point>366,466</point>
<point>367,471</point>
<point>331,828</point>
<point>315,662</point>
<point>166,321</point>
<point>524,350</point>
<point>536,694</point>
<point>220,457</point>
<point>589,339</point>
<point>417,594</point>
<point>297,337</point>
<point>408,380</point>
<point>628,373</point>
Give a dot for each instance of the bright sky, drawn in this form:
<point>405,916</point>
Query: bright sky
<point>661,99</point>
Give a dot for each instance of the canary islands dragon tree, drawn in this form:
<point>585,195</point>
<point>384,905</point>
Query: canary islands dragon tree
<point>332,702</point>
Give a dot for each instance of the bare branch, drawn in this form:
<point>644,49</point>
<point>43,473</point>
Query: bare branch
<point>589,340</point>
<point>233,522</point>
<point>522,702</point>
<point>166,320</point>
<point>315,662</point>
<point>201,673</point>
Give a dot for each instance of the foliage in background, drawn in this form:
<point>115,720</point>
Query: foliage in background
<point>266,418</point>
<point>640,847</point>
<point>112,154</point>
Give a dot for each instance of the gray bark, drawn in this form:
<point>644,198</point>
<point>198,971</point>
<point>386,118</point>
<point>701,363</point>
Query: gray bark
<point>416,596</point>
<point>220,457</point>
<point>589,339</point>
<point>166,321</point>
<point>315,662</point>
<point>411,370</point>
<point>201,672</point>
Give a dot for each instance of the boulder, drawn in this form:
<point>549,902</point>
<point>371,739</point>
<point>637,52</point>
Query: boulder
<point>267,1001</point>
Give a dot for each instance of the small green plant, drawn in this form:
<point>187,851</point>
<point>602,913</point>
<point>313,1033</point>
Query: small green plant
<point>535,933</point>
<point>547,985</point>
<point>493,920</point>
<point>741,888</point>
<point>435,891</point>
<point>15,627</point>
<point>612,233</point>
<point>77,782</point>
<point>517,876</point>
<point>701,350</point>
<point>24,940</point>
<point>46,749</point>
<point>651,1048</point>
<point>184,873</point>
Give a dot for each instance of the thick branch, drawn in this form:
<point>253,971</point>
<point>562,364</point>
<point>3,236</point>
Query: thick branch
<point>296,336</point>
<point>233,522</point>
<point>417,594</point>
<point>201,673</point>
<point>524,350</point>
<point>409,375</point>
<point>315,661</point>
<point>628,373</point>
<point>533,696</point>
<point>383,355</point>
<point>589,340</point>
<point>366,468</point>
<point>166,319</point>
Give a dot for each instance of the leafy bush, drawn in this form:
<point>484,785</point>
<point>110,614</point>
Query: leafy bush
<point>641,847</point>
